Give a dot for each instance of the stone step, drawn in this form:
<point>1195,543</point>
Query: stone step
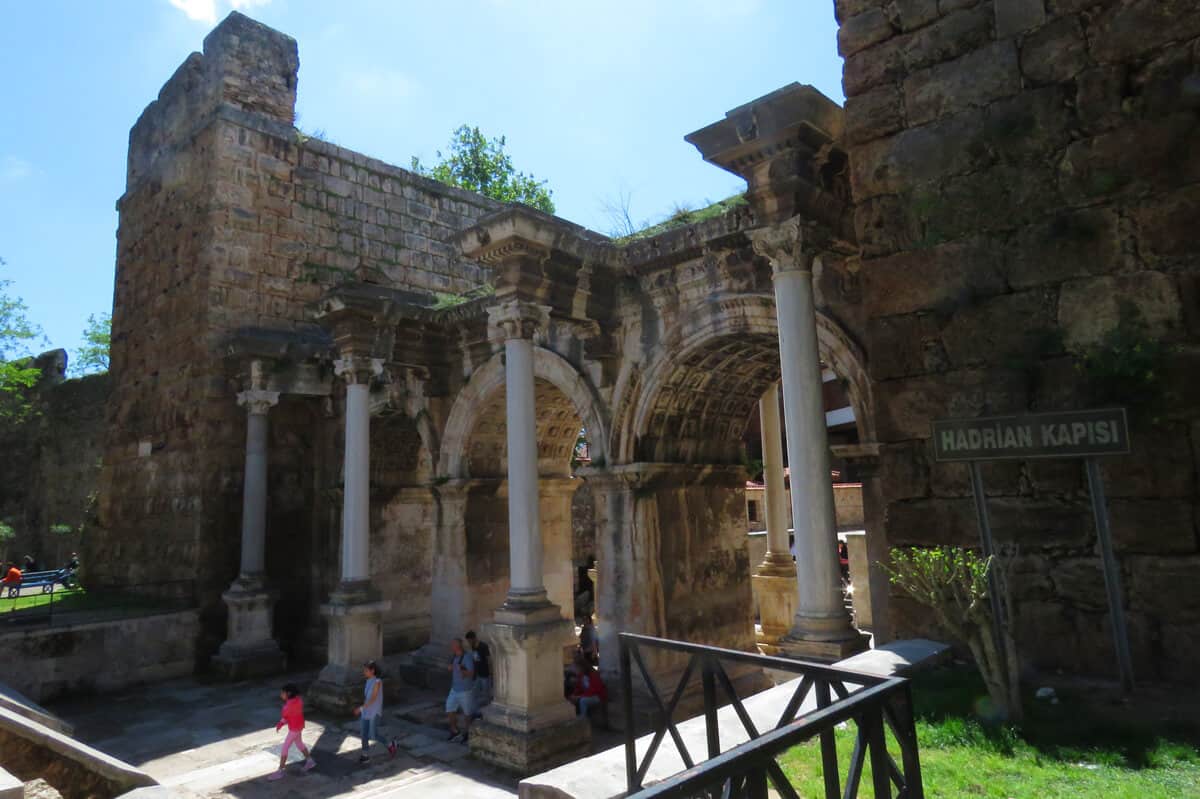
<point>17,702</point>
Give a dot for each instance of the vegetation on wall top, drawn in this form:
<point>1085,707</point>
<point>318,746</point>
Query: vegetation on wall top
<point>479,164</point>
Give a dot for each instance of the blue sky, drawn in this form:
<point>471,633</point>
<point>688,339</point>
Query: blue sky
<point>594,97</point>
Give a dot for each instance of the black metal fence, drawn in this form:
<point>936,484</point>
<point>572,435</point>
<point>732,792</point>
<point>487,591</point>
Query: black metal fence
<point>872,703</point>
<point>59,605</point>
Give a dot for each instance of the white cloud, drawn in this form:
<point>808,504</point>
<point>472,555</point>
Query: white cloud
<point>13,169</point>
<point>207,10</point>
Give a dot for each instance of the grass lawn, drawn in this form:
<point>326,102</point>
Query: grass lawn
<point>77,603</point>
<point>1066,750</point>
<point>33,597</point>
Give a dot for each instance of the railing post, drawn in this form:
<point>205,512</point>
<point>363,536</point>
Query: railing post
<point>756,784</point>
<point>710,707</point>
<point>627,708</point>
<point>829,757</point>
<point>881,778</point>
<point>910,755</point>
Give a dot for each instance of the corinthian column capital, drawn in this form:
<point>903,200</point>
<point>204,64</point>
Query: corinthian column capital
<point>517,319</point>
<point>257,402</point>
<point>357,369</point>
<point>783,246</point>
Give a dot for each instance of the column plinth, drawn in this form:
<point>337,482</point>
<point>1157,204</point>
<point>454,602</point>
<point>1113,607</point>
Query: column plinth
<point>775,578</point>
<point>821,627</point>
<point>354,612</point>
<point>529,727</point>
<point>250,649</point>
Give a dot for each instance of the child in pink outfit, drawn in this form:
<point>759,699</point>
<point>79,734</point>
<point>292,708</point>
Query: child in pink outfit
<point>293,717</point>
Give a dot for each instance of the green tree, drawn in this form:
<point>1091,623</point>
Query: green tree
<point>478,164</point>
<point>17,372</point>
<point>92,355</point>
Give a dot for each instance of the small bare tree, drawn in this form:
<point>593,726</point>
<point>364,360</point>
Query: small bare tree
<point>620,218</point>
<point>955,584</point>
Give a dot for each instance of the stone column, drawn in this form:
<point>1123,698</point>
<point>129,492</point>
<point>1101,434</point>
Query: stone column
<point>594,576</point>
<point>250,649</point>
<point>774,578</point>
<point>354,611</point>
<point>860,577</point>
<point>529,727</point>
<point>821,627</point>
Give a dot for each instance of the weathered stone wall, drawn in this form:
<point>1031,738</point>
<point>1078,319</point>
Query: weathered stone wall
<point>48,477</point>
<point>53,662</point>
<point>232,219</point>
<point>1021,170</point>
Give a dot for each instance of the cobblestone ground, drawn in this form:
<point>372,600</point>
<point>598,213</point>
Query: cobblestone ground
<point>219,740</point>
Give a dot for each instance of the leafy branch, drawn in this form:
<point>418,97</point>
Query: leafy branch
<point>954,583</point>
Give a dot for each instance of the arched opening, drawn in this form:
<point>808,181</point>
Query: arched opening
<point>698,405</point>
<point>486,511</point>
<point>471,557</point>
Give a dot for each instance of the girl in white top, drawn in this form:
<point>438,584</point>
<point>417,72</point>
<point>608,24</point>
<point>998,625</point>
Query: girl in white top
<point>371,709</point>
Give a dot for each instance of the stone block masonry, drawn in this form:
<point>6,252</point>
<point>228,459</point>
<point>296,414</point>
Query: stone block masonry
<point>1007,180</point>
<point>232,219</point>
<point>53,662</point>
<point>1022,170</point>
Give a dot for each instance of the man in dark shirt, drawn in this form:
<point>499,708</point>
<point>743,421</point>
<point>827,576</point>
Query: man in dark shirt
<point>483,670</point>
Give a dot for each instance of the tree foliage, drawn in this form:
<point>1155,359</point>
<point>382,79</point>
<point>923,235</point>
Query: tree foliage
<point>479,164</point>
<point>92,355</point>
<point>955,584</point>
<point>17,373</point>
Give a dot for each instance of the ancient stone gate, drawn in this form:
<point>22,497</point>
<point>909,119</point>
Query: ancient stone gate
<point>370,384</point>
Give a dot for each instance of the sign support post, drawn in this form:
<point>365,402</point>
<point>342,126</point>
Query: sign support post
<point>1069,434</point>
<point>1112,574</point>
<point>989,550</point>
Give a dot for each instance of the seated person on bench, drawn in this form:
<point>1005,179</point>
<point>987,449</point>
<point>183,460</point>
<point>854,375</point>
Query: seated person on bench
<point>12,577</point>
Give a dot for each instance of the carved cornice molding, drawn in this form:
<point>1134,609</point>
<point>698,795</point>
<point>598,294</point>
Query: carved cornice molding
<point>783,246</point>
<point>358,370</point>
<point>517,319</point>
<point>513,250</point>
<point>257,401</point>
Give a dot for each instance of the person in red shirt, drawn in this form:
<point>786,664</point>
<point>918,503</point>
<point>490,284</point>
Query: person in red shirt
<point>12,577</point>
<point>293,717</point>
<point>590,693</point>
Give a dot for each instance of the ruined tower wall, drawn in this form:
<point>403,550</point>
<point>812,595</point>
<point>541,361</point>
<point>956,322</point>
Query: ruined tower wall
<point>1022,170</point>
<point>233,219</point>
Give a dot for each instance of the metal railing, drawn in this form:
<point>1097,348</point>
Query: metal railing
<point>877,704</point>
<point>82,603</point>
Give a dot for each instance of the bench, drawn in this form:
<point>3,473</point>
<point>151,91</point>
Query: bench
<point>44,580</point>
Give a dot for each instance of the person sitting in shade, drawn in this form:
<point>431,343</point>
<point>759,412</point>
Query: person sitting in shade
<point>589,641</point>
<point>590,696</point>
<point>12,576</point>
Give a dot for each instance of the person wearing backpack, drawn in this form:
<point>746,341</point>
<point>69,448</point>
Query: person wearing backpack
<point>483,670</point>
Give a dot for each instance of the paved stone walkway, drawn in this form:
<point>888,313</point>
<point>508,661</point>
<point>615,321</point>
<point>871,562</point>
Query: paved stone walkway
<point>219,740</point>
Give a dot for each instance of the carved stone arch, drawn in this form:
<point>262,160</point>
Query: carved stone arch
<point>748,323</point>
<point>483,386</point>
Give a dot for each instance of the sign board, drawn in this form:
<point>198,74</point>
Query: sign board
<point>1066,434</point>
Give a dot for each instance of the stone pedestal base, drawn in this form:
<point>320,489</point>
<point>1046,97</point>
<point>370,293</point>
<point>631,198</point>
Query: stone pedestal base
<point>355,636</point>
<point>822,651</point>
<point>249,649</point>
<point>775,590</point>
<point>527,753</point>
<point>529,727</point>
